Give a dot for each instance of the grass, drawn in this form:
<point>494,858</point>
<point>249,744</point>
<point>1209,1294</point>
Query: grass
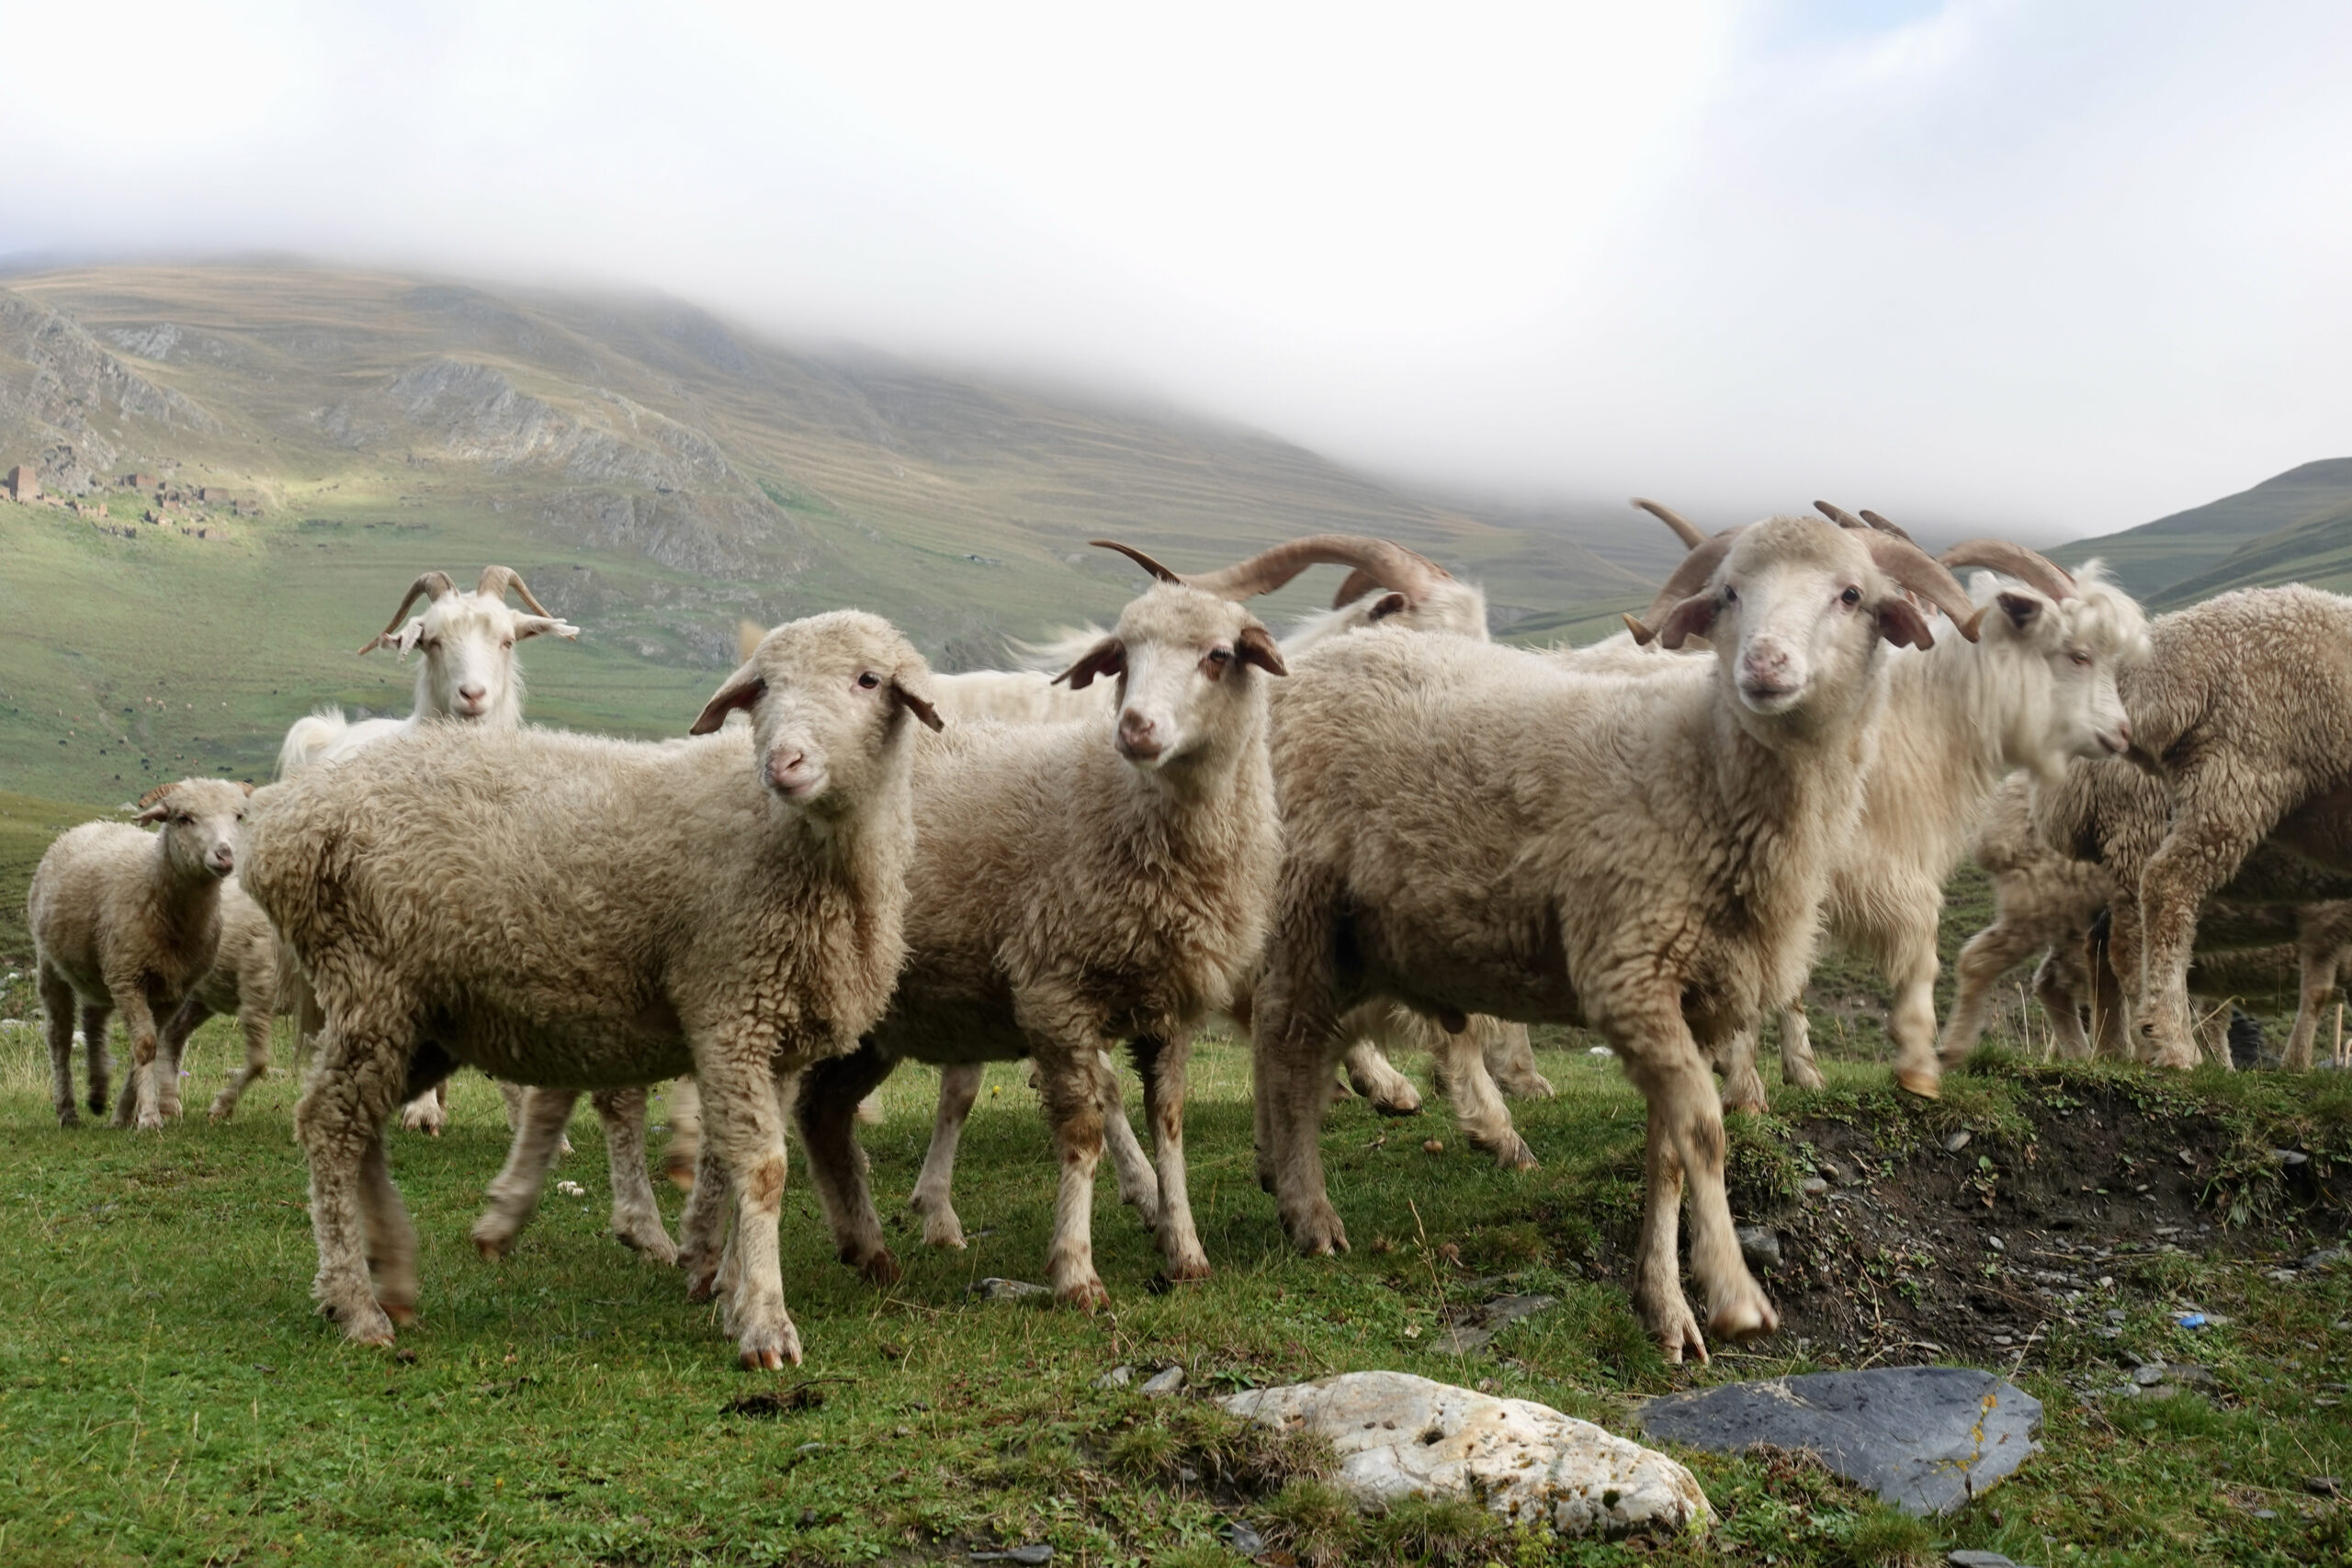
<point>166,1394</point>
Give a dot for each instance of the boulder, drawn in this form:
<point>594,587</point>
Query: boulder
<point>1925,1439</point>
<point>1398,1435</point>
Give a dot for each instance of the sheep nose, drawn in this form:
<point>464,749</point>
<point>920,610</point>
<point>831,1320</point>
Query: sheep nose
<point>1764,664</point>
<point>1139,736</point>
<point>224,860</point>
<point>2123,732</point>
<point>789,768</point>
<point>473,692</point>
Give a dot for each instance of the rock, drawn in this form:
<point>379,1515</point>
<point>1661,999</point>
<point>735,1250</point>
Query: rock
<point>1396,1435</point>
<point>2323,1486</point>
<point>1243,1537</point>
<point>2325,1257</point>
<point>1117,1377</point>
<point>1759,1246</point>
<point>995,1290</point>
<point>1031,1556</point>
<point>1168,1380</point>
<point>1996,1243</point>
<point>1957,1142</point>
<point>1491,1320</point>
<point>2148,1374</point>
<point>2290,1157</point>
<point>1926,1438</point>
<point>1979,1560</point>
<point>1813,1187</point>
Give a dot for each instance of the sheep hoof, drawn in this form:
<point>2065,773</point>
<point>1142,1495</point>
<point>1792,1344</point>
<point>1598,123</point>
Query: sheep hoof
<point>1534,1085</point>
<point>880,1268</point>
<point>219,1113</point>
<point>1804,1075</point>
<point>402,1314</point>
<point>702,1280</point>
<point>364,1325</point>
<point>1748,1315</point>
<point>68,1118</point>
<point>1319,1233</point>
<point>1926,1085</point>
<point>1747,1107</point>
<point>771,1352</point>
<point>151,1122</point>
<point>1187,1269</point>
<point>1405,1103</point>
<point>653,1243</point>
<point>1514,1155</point>
<point>1086,1295</point>
<point>493,1245</point>
<point>942,1228</point>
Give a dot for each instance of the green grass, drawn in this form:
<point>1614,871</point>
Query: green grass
<point>166,1394</point>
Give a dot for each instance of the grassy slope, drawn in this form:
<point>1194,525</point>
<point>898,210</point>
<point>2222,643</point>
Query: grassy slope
<point>2157,560</point>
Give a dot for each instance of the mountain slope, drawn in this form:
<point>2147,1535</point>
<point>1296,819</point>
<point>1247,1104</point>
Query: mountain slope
<point>655,474</point>
<point>2157,560</point>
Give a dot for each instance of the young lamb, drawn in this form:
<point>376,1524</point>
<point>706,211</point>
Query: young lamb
<point>584,913</point>
<point>1478,829</point>
<point>468,674</point>
<point>126,919</point>
<point>243,984</point>
<point>1072,885</point>
<point>2245,714</point>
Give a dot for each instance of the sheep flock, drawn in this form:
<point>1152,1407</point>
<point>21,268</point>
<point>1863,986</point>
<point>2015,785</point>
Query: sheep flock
<point>1381,832</point>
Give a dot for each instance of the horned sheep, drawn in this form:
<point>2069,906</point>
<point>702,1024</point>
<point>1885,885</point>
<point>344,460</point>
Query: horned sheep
<point>579,912</point>
<point>127,921</point>
<point>1478,829</point>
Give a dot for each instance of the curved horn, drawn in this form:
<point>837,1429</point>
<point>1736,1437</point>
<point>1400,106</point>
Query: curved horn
<point>1883,526</point>
<point>1138,556</point>
<point>1839,515</point>
<point>1374,563</point>
<point>1696,570</point>
<point>497,580</point>
<point>1684,530</point>
<point>431,584</point>
<point>1915,570</point>
<point>2026,566</point>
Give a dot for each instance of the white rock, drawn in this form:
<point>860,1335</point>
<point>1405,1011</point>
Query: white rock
<point>1398,1435</point>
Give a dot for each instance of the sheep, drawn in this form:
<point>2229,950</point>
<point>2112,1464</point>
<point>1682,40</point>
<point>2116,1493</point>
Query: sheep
<point>468,674</point>
<point>1478,829</point>
<point>579,913</point>
<point>2246,716</point>
<point>126,919</point>
<point>1074,885</point>
<point>241,983</point>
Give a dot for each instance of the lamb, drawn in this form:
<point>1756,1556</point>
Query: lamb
<point>1074,885</point>
<point>2245,715</point>
<point>579,913</point>
<point>241,983</point>
<point>126,919</point>
<point>1478,829</point>
<point>468,674</point>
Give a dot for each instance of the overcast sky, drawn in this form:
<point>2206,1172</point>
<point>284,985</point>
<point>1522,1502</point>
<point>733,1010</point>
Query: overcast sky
<point>2058,267</point>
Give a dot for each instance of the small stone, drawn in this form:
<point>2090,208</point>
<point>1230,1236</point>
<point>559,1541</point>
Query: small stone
<point>1979,1560</point>
<point>1243,1537</point>
<point>1163,1382</point>
<point>1996,1243</point>
<point>2266,1513</point>
<point>808,1448</point>
<point>2002,1340</point>
<point>995,1290</point>
<point>1759,1246</point>
<point>2323,1486</point>
<point>2115,1315</point>
<point>1957,1142</point>
<point>1117,1377</point>
<point>2325,1257</point>
<point>1488,1321</point>
<point>1034,1555</point>
<point>2290,1157</point>
<point>2106,1281</point>
<point>2149,1374</point>
<point>1433,1146</point>
<point>1813,1187</point>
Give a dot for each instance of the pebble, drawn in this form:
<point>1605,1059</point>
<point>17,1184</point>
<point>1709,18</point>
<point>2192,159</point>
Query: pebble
<point>1813,1187</point>
<point>2115,1315</point>
<point>1117,1377</point>
<point>1979,1559</point>
<point>2266,1513</point>
<point>1996,1243</point>
<point>1034,1555</point>
<point>2325,1257</point>
<point>2148,1374</point>
<point>1433,1146</point>
<point>2323,1486</point>
<point>1243,1537</point>
<point>1759,1246</point>
<point>1957,1142</point>
<point>1163,1382</point>
<point>2290,1157</point>
<point>995,1290</point>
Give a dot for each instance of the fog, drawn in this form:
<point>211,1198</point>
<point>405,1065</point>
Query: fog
<point>2053,269</point>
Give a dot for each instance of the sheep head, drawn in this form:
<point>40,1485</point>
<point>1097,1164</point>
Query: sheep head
<point>203,824</point>
<point>830,698</point>
<point>468,640</point>
<point>1189,663</point>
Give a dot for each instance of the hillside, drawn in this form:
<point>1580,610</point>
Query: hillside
<point>653,472</point>
<point>2277,532</point>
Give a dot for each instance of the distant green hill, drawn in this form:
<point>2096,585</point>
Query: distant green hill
<point>2243,540</point>
<point>655,474</point>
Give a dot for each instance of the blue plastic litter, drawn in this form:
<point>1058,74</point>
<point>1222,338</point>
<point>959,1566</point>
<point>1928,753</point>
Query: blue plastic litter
<point>2189,1319</point>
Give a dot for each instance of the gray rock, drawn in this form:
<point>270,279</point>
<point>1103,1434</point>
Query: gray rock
<point>2325,1257</point>
<point>1813,1187</point>
<point>1957,1142</point>
<point>995,1290</point>
<point>2323,1486</point>
<point>2149,1374</point>
<point>1926,1438</point>
<point>1168,1380</point>
<point>1979,1559</point>
<point>1117,1377</point>
<point>1491,1320</point>
<point>1243,1537</point>
<point>1397,1435</point>
<point>1761,1248</point>
<point>1034,1555</point>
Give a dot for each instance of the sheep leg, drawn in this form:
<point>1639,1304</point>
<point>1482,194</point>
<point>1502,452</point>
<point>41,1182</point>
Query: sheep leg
<point>392,1239</point>
<point>2319,951</point>
<point>1511,1059</point>
<point>1460,1063</point>
<point>2111,1032</point>
<point>960,1090</point>
<point>429,1113</point>
<point>1798,1069</point>
<point>831,1093</point>
<point>1162,1063</point>
<point>2058,980</point>
<point>744,1127</point>
<point>141,1097</point>
<point>2203,851</point>
<point>1138,1183</point>
<point>637,1218</point>
<point>171,1042</point>
<point>1686,1144</point>
<point>682,1111</point>
<point>57,1006</point>
<point>1073,1094</point>
<point>703,1227</point>
<point>515,1190</point>
<point>1389,1092</point>
<point>512,1093</point>
<point>252,1020</point>
<point>1743,1085</point>
<point>1291,1044</point>
<point>1910,965</point>
<point>1989,954</point>
<point>352,1088</point>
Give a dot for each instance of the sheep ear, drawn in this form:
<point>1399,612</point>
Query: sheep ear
<point>154,813</point>
<point>2020,608</point>
<point>540,625</point>
<point>155,805</point>
<point>1108,657</point>
<point>743,688</point>
<point>1256,646</point>
<point>249,788</point>
<point>400,641</point>
<point>1393,605</point>
<point>1694,617</point>
<point>910,695</point>
<point>1900,623</point>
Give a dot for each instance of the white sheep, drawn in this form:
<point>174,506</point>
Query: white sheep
<point>584,913</point>
<point>128,921</point>
<point>1072,885</point>
<point>1478,829</point>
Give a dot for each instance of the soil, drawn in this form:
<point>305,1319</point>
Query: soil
<point>1985,1252</point>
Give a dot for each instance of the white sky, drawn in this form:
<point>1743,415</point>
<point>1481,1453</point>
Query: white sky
<point>2056,268</point>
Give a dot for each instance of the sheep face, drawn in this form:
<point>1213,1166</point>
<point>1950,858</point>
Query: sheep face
<point>1794,606</point>
<point>468,640</point>
<point>828,697</point>
<point>1185,661</point>
<point>2073,649</point>
<point>203,825</point>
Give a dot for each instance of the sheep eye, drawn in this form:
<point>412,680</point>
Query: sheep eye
<point>2080,658</point>
<point>508,643</point>
<point>1730,594</point>
<point>869,680</point>
<point>1220,655</point>
<point>1851,597</point>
